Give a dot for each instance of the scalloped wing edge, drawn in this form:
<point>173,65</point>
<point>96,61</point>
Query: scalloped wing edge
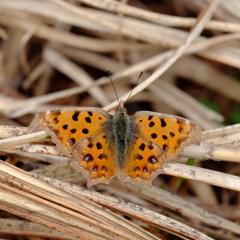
<point>90,182</point>
<point>142,181</point>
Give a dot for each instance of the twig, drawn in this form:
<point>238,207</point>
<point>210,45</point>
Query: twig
<point>74,72</point>
<point>161,19</point>
<point>193,34</point>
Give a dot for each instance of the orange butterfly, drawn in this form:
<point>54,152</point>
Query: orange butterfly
<point>133,148</point>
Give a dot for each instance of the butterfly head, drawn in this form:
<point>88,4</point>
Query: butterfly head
<point>121,113</point>
<point>121,108</point>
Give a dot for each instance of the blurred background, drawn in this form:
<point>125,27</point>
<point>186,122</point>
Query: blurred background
<point>51,51</point>
<point>46,47</point>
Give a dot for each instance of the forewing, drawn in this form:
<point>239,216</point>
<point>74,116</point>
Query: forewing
<point>169,132</point>
<point>67,127</point>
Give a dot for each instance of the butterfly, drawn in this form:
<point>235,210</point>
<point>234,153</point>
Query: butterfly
<point>134,148</point>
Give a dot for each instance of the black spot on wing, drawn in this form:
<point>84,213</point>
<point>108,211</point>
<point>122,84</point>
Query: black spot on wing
<point>139,157</point>
<point>180,123</point>
<point>56,120</point>
<point>65,126</point>
<point>142,147</point>
<point>136,169</point>
<point>152,160</point>
<point>164,137</point>
<point>163,123</point>
<point>165,147</point>
<point>88,119</point>
<point>95,168</point>
<point>145,169</point>
<point>90,113</point>
<point>73,130</point>
<point>151,124</point>
<point>150,147</point>
<point>180,129</point>
<point>99,145</point>
<point>90,145</point>
<point>150,117</point>
<point>104,168</point>
<point>72,141</point>
<point>88,158</point>
<point>85,131</point>
<point>172,134</point>
<point>75,116</point>
<point>154,135</point>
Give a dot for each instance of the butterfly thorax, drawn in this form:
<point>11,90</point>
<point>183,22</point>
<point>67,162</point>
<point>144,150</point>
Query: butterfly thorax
<point>122,123</point>
<point>121,120</point>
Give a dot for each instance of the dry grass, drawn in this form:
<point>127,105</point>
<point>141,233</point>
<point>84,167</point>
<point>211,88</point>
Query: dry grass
<point>55,53</point>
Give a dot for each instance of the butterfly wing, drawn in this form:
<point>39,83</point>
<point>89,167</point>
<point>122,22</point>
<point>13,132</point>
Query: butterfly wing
<point>84,132</point>
<point>96,161</point>
<point>161,138</point>
<point>171,133</point>
<point>144,162</point>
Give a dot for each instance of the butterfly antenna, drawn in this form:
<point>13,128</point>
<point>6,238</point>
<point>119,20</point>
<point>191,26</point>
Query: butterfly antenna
<point>113,87</point>
<point>135,85</point>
